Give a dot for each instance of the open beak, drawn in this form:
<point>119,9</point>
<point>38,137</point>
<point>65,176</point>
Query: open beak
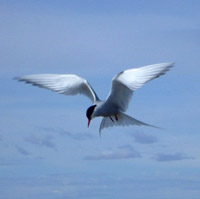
<point>89,122</point>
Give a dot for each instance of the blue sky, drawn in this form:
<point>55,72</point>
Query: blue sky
<point>47,151</point>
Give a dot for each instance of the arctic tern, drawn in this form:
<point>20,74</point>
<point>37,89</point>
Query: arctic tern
<point>113,108</point>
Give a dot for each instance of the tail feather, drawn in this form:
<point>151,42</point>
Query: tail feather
<point>121,120</point>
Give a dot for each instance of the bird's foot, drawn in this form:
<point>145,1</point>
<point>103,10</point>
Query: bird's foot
<point>111,119</point>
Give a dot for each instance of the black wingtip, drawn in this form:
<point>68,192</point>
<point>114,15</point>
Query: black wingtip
<point>15,78</point>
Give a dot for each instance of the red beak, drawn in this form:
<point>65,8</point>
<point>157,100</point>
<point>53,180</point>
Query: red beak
<point>89,122</point>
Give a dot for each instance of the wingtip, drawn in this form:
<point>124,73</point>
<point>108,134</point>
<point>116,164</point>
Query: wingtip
<point>167,64</point>
<point>16,78</point>
<point>19,78</point>
<point>170,64</point>
<point>157,127</point>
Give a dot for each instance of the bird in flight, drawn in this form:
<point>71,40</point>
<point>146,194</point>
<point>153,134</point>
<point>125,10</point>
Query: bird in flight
<point>112,109</point>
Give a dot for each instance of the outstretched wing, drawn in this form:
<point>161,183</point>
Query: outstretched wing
<point>67,84</point>
<point>122,120</point>
<point>128,81</point>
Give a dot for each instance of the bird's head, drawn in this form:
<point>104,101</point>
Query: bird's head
<point>89,113</point>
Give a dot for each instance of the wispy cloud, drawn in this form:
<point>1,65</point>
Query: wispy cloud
<point>9,162</point>
<point>143,138</point>
<point>22,151</point>
<point>122,152</point>
<point>63,132</point>
<point>164,157</point>
<point>42,141</point>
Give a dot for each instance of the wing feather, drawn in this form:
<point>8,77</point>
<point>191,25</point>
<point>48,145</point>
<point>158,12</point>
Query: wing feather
<point>67,84</point>
<point>126,82</point>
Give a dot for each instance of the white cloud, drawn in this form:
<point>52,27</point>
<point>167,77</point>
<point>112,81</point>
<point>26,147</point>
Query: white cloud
<point>41,140</point>
<point>164,157</point>
<point>72,135</point>
<point>143,138</point>
<point>123,152</point>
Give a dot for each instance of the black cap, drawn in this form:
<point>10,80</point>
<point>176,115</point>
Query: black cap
<point>90,110</point>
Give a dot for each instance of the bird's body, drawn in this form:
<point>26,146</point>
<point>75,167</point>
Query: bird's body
<point>113,108</point>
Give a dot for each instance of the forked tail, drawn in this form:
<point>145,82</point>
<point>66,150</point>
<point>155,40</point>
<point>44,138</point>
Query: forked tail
<point>121,119</point>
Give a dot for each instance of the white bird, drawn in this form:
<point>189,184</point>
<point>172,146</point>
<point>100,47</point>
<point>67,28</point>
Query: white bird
<point>113,108</point>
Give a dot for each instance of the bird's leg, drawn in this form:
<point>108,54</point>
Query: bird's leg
<point>116,117</point>
<point>111,119</point>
